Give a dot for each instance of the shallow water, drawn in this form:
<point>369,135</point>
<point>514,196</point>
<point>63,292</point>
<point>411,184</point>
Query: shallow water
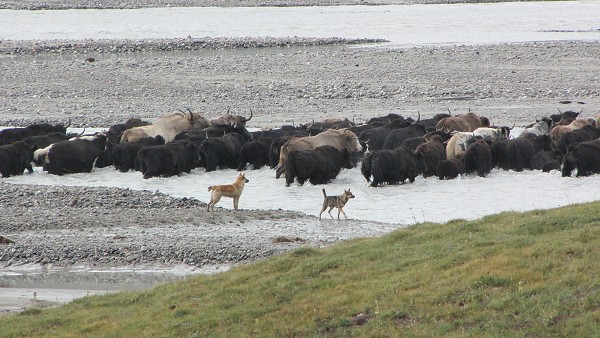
<point>427,199</point>
<point>89,278</point>
<point>30,284</point>
<point>403,25</point>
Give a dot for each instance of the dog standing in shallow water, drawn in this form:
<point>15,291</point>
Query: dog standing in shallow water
<point>233,190</point>
<point>338,202</point>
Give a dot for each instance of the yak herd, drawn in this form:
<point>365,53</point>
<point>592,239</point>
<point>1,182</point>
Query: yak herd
<point>390,149</point>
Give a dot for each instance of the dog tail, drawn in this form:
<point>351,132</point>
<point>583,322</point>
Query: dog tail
<point>211,187</point>
<point>324,194</point>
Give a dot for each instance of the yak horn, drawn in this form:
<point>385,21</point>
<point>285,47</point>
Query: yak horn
<point>191,115</point>
<point>418,118</point>
<point>68,123</point>
<point>248,119</point>
<point>511,128</point>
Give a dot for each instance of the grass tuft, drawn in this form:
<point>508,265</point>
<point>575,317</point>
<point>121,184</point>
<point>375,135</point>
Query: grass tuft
<point>30,312</point>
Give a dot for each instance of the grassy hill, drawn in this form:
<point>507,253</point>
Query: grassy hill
<point>511,274</point>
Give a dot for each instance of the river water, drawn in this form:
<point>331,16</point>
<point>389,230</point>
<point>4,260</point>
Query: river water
<point>402,25</point>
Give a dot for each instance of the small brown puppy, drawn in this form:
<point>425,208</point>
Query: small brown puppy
<point>336,202</point>
<point>233,190</point>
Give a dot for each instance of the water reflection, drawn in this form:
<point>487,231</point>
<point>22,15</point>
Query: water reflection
<point>34,276</point>
<point>109,281</point>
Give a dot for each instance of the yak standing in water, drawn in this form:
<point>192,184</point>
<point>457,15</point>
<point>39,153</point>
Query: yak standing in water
<point>167,160</point>
<point>15,158</point>
<point>10,135</point>
<point>584,156</point>
<point>124,154</point>
<point>338,139</point>
<point>75,155</point>
<point>396,137</point>
<point>319,165</point>
<point>221,152</point>
<point>431,152</point>
<point>391,166</point>
<point>478,158</point>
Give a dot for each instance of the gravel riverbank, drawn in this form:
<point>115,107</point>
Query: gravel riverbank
<point>508,83</point>
<point>115,227</point>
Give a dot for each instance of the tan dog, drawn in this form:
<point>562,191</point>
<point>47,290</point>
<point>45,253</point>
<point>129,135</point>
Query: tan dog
<point>336,202</point>
<point>233,190</point>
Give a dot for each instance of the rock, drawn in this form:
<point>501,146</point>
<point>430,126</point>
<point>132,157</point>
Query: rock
<point>132,257</point>
<point>4,240</point>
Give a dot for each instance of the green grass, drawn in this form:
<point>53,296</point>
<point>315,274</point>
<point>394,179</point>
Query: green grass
<point>506,275</point>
